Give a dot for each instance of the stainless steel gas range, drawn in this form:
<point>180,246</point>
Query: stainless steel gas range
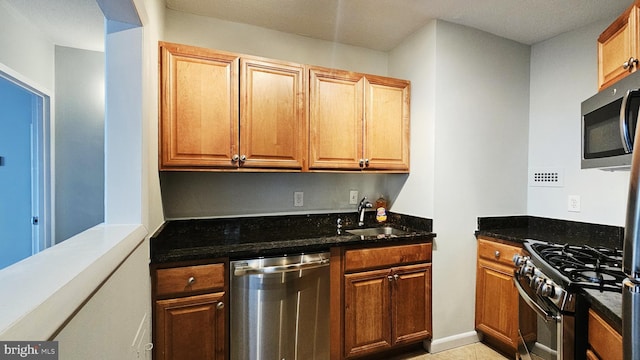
<point>549,280</point>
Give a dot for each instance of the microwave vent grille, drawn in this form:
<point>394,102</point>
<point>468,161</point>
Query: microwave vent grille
<point>550,177</point>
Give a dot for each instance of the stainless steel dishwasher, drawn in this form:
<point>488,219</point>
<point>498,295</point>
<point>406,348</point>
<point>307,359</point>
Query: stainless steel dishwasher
<point>280,308</point>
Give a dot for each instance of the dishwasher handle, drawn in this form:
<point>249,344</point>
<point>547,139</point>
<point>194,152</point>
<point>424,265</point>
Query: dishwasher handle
<point>250,270</point>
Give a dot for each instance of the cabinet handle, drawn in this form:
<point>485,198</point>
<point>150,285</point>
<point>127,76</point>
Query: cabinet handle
<point>243,158</point>
<point>191,281</point>
<point>390,278</point>
<point>220,305</point>
<point>235,158</point>
<point>497,254</point>
<point>630,63</point>
<point>361,162</point>
<point>396,277</point>
<point>366,162</point>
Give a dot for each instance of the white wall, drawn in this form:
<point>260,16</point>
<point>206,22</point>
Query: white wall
<point>212,33</point>
<point>115,322</point>
<point>79,135</point>
<point>25,49</point>
<point>563,74</point>
<point>469,118</point>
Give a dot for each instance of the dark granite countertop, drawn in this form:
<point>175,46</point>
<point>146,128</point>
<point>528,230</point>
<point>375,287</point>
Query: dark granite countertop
<point>247,237</point>
<point>520,228</point>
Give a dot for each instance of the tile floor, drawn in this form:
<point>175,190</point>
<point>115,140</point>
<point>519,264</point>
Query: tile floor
<point>476,351</point>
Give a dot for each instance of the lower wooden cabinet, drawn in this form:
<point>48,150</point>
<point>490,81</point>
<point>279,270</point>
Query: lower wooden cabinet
<point>605,343</point>
<point>189,311</point>
<point>381,299</point>
<point>190,328</point>
<point>497,298</point>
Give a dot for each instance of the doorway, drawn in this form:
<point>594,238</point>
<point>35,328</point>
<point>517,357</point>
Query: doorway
<point>24,170</point>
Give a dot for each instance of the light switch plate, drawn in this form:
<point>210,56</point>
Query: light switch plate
<point>353,197</point>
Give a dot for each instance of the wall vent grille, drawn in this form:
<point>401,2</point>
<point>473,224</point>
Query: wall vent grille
<point>550,177</point>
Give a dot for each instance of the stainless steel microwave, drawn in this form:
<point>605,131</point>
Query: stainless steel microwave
<point>609,124</point>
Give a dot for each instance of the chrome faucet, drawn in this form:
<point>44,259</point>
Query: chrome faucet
<point>361,207</point>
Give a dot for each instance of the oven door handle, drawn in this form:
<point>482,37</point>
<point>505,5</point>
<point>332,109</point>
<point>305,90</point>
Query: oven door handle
<point>249,270</point>
<point>546,316</point>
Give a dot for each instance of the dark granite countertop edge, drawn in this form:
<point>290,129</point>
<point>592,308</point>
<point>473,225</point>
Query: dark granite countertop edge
<point>279,248</point>
<point>518,229</point>
<point>173,249</point>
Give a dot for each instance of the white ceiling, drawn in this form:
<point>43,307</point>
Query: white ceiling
<point>374,24</point>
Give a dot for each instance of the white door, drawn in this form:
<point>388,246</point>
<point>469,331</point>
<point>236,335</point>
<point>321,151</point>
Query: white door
<point>16,153</point>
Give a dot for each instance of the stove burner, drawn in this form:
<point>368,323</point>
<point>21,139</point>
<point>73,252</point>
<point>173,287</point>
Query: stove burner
<point>590,267</point>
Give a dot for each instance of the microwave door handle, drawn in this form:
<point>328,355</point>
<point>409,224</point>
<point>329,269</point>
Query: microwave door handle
<point>626,137</point>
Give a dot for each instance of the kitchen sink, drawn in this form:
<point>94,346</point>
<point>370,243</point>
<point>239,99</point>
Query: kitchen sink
<point>377,231</point>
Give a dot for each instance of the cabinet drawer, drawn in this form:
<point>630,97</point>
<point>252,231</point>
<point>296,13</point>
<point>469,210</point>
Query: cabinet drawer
<point>358,259</point>
<point>498,252</point>
<point>603,339</point>
<point>188,279</point>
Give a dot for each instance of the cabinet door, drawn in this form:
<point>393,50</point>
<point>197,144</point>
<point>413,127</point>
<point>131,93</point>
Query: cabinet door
<point>604,340</point>
<point>273,131</point>
<point>367,314</point>
<point>335,119</point>
<point>497,303</point>
<point>411,302</point>
<point>386,125</point>
<point>190,328</point>
<point>616,45</point>
<point>199,107</point>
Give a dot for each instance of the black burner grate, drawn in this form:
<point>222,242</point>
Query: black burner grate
<point>586,266</point>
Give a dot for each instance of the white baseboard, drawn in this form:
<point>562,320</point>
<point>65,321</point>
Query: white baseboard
<point>451,342</point>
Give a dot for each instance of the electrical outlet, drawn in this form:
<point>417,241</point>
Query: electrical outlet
<point>298,198</point>
<point>353,197</point>
<point>573,203</point>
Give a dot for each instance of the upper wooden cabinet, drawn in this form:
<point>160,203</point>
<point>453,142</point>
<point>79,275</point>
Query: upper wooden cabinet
<point>219,110</point>
<point>618,48</point>
<point>198,107</point>
<point>273,131</point>
<point>225,111</point>
<point>357,121</point>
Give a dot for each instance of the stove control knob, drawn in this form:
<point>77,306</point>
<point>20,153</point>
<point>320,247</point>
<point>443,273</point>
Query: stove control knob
<point>546,290</point>
<point>535,281</point>
<point>526,270</point>
<point>518,259</point>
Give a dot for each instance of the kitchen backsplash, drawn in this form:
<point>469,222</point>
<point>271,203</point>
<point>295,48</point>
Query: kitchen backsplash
<point>187,195</point>
<point>547,229</point>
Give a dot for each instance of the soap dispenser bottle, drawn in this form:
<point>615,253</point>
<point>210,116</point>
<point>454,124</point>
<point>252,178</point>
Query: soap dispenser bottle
<point>381,209</point>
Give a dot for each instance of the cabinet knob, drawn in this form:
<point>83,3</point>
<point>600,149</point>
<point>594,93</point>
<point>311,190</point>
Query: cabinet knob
<point>191,280</point>
<point>220,305</point>
<point>390,278</point>
<point>366,162</point>
<point>243,158</point>
<point>396,277</point>
<point>497,254</point>
<point>630,63</point>
<point>361,162</point>
<point>235,158</point>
